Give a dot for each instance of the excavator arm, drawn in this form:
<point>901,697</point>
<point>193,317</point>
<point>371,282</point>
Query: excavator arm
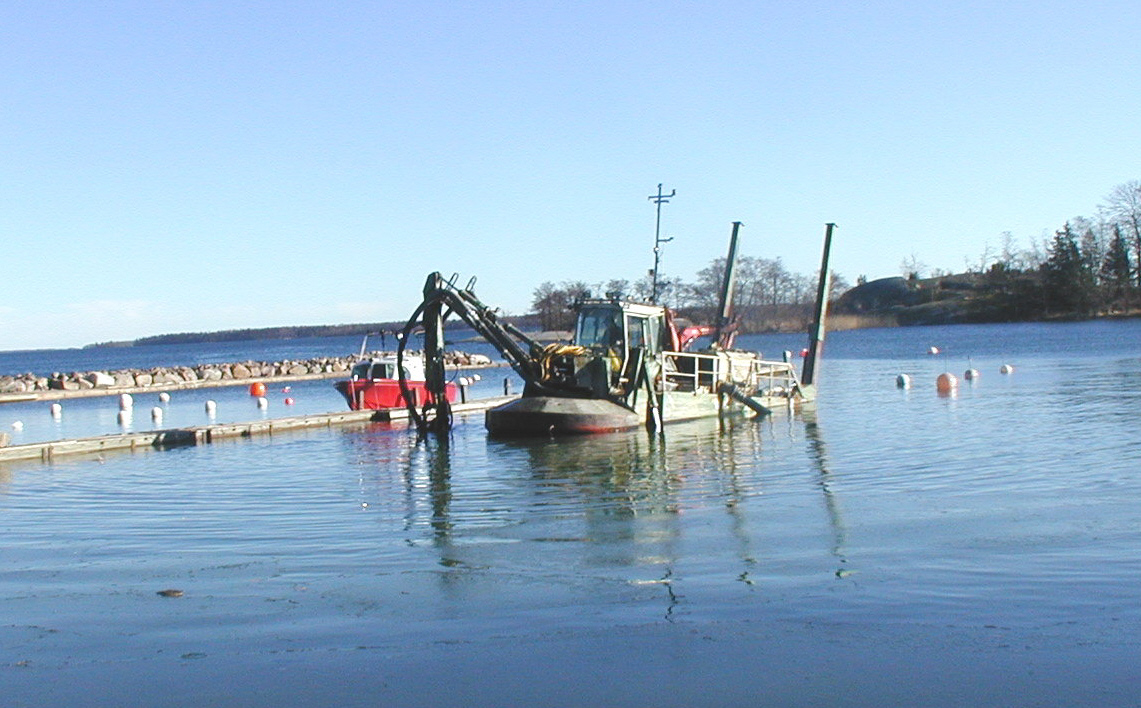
<point>441,299</point>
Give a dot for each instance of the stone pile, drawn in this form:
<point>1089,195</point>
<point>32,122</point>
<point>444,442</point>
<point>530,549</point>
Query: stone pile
<point>203,374</point>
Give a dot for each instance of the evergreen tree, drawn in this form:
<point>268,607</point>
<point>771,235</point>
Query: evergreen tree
<point>1070,282</point>
<point>1116,270</point>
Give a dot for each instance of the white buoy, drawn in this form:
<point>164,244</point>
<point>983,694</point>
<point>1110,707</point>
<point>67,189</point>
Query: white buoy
<point>156,414</point>
<point>1006,369</point>
<point>164,397</point>
<point>933,350</point>
<point>124,418</point>
<point>57,410</point>
<point>903,381</point>
<point>126,403</point>
<point>263,402</point>
<point>18,425</point>
<point>477,377</point>
<point>211,408</point>
<point>971,374</point>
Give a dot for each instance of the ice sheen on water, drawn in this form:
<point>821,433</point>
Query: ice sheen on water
<point>886,547</point>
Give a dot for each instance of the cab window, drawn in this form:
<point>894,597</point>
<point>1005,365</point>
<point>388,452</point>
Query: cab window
<point>599,327</point>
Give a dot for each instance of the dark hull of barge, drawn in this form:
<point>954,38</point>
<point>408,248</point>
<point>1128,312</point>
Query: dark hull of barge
<point>548,415</point>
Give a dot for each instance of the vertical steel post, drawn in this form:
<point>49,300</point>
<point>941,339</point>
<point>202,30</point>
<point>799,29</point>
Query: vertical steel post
<point>724,336</point>
<point>816,345</point>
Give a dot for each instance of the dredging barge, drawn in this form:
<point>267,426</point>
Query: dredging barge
<point>628,365</point>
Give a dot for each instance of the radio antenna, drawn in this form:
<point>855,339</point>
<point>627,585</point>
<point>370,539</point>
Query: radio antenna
<point>658,199</point>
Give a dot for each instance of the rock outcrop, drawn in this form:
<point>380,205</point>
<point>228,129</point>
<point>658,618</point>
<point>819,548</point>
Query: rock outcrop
<point>202,375</point>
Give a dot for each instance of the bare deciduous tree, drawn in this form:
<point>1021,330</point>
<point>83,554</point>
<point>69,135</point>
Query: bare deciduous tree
<point>1123,205</point>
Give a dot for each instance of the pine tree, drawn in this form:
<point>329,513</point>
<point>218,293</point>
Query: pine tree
<point>1070,282</point>
<point>1116,270</point>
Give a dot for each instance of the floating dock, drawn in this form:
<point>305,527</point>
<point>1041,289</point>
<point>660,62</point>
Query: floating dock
<point>202,435</point>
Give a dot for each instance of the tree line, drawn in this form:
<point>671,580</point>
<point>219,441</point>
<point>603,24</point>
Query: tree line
<point>1091,266</point>
<point>767,296</point>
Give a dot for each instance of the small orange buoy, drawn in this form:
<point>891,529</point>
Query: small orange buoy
<point>289,401</point>
<point>946,383</point>
<point>257,389</point>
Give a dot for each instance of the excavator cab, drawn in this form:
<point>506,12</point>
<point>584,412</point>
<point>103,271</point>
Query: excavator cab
<point>614,342</point>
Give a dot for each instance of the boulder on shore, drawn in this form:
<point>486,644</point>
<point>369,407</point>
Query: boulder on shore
<point>100,379</point>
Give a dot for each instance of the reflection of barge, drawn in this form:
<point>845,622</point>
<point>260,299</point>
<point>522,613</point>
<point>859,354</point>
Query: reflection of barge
<point>626,367</point>
<point>374,384</point>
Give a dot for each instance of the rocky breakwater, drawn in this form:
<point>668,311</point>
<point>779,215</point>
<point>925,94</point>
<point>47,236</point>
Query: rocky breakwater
<point>58,385</point>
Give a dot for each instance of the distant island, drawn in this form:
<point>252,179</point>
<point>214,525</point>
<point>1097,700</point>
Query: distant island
<point>1079,278</point>
<point>292,332</point>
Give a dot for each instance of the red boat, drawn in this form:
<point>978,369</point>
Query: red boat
<point>374,384</point>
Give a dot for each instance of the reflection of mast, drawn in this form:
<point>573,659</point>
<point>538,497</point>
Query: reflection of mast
<point>659,462</point>
<point>736,492</point>
<point>635,477</point>
<point>819,454</point>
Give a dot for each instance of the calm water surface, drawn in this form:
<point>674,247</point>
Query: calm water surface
<point>886,547</point>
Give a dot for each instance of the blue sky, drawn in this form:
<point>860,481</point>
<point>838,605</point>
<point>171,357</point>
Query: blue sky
<point>194,166</point>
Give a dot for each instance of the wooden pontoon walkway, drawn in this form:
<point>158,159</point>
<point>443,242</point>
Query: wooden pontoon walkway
<point>202,435</point>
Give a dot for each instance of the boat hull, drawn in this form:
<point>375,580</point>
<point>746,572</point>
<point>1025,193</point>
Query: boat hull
<point>549,415</point>
<point>544,415</point>
<point>379,394</point>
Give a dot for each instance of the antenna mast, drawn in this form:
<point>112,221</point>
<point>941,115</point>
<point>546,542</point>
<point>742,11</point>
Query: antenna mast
<point>658,199</point>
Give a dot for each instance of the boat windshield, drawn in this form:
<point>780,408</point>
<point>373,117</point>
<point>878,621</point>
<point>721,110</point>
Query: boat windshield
<point>599,327</point>
<point>374,370</point>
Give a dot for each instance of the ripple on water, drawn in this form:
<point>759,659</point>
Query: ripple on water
<point>1012,503</point>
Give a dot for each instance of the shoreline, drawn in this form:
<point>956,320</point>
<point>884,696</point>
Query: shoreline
<point>137,381</point>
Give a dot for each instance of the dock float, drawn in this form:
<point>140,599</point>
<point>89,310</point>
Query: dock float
<point>203,435</point>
